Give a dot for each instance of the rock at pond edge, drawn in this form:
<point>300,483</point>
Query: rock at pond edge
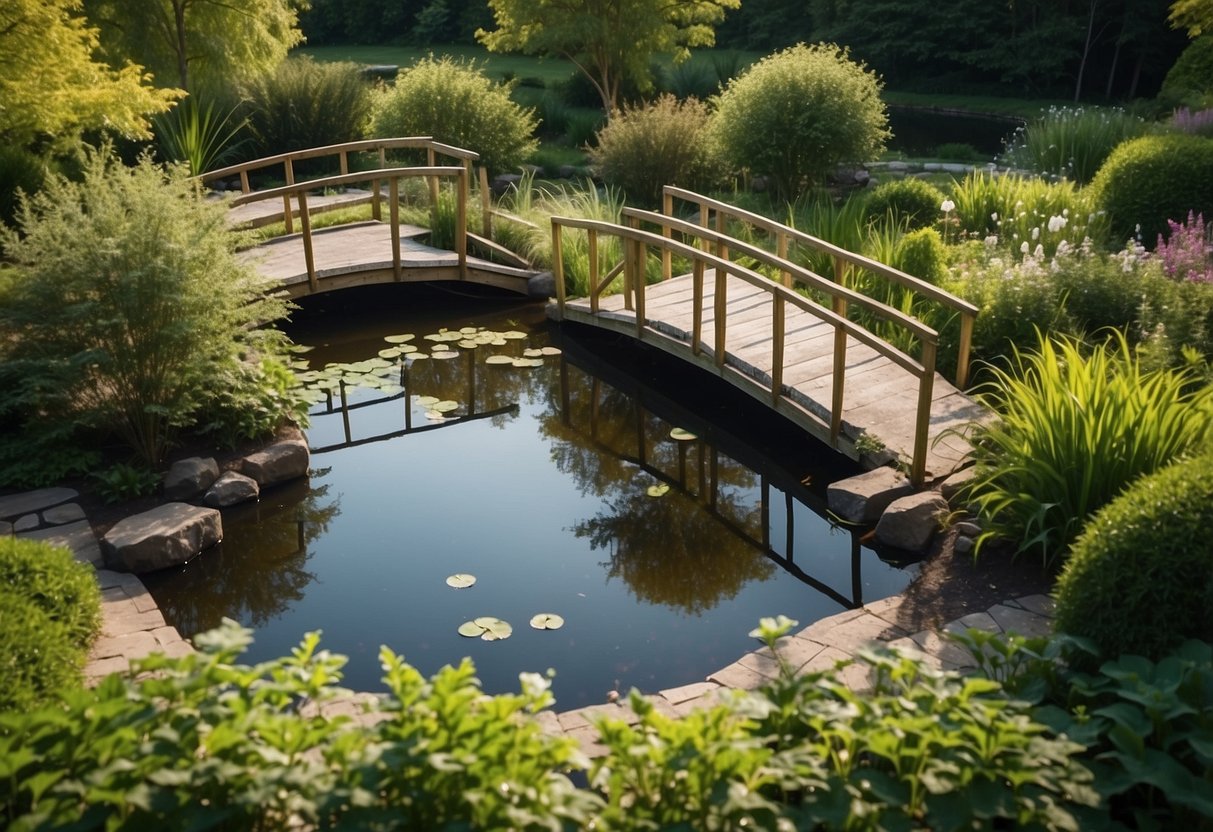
<point>861,499</point>
<point>230,489</point>
<point>279,462</point>
<point>165,536</point>
<point>187,478</point>
<point>910,522</point>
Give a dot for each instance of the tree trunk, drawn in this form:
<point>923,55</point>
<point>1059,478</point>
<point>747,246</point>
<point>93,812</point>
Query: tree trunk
<point>183,63</point>
<point>1086,50</point>
<point>1107,93</point>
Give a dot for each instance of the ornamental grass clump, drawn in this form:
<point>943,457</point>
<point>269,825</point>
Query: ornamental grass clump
<point>1072,142</point>
<point>1073,428</point>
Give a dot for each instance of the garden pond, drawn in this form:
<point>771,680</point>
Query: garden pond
<point>649,510</point>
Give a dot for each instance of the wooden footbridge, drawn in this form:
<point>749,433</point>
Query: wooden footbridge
<point>777,330</point>
<point>381,249</point>
<point>804,343</point>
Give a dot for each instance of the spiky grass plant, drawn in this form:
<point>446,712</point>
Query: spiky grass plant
<point>1073,429</point>
<point>200,136</point>
<point>1072,142</point>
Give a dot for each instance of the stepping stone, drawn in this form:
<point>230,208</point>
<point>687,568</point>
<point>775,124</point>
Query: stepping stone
<point>862,498</point>
<point>15,505</point>
<point>27,523</point>
<point>168,535</point>
<point>61,515</point>
<point>78,537</point>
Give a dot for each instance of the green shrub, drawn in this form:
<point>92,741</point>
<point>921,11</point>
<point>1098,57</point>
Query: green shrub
<point>914,202</point>
<point>1140,577</point>
<point>458,104</point>
<point>19,170</point>
<point>795,115</point>
<point>37,657</point>
<point>1025,211</point>
<point>922,254</point>
<point>1150,180</point>
<point>1072,431</point>
<point>661,143</point>
<point>305,103</point>
<point>48,576</point>
<point>960,152</point>
<point>1072,142</point>
<point>131,304</point>
<point>1190,81</point>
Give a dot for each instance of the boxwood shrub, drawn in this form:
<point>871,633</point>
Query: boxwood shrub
<point>1140,577</point>
<point>1152,179</point>
<point>50,578</point>
<point>37,656</point>
<point>912,201</point>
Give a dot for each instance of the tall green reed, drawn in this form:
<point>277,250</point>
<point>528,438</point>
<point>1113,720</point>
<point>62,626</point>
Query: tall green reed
<point>1072,142</point>
<point>199,135</point>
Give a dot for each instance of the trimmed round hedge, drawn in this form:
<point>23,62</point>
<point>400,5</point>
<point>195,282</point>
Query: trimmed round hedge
<point>1140,576</point>
<point>64,589</point>
<point>37,656</point>
<point>1150,180</point>
<point>912,201</point>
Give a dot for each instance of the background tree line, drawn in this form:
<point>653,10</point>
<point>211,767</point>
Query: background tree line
<point>1087,49</point>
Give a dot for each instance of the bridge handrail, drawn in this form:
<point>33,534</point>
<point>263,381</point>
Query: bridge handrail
<point>393,176</point>
<point>841,256</point>
<point>799,273</point>
<point>633,273</point>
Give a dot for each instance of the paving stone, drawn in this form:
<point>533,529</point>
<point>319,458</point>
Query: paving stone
<point>587,737</point>
<point>107,578</point>
<point>1039,604</point>
<point>570,720</point>
<point>676,696</point>
<point>131,645</point>
<point>113,594</point>
<point>818,628</point>
<point>176,649</point>
<point>858,677</point>
<point>26,523</point>
<point>116,625</point>
<point>709,699</point>
<point>78,537</point>
<point>909,647</point>
<point>15,505</point>
<point>762,663</point>
<point>949,653</point>
<point>61,515</point>
<point>886,608</point>
<point>859,632</point>
<point>826,660</point>
<point>738,676</point>
<point>796,651</point>
<point>662,706</point>
<point>98,669</point>
<point>974,621</point>
<point>1020,621</point>
<point>862,498</point>
<point>166,634</point>
<point>549,723</point>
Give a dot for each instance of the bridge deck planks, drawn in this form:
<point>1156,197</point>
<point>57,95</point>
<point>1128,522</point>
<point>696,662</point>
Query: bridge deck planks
<point>880,398</point>
<point>363,248</point>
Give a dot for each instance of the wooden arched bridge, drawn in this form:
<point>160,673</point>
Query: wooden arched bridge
<point>847,367</point>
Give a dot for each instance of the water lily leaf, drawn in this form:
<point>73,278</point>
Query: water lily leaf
<point>528,362</point>
<point>658,490</point>
<point>494,628</point>
<point>439,355</point>
<point>426,401</point>
<point>468,345</point>
<point>468,330</point>
<point>399,339</point>
<point>499,359</point>
<point>460,580</point>
<point>498,342</point>
<point>404,348</point>
<point>470,629</point>
<point>532,353</point>
<point>434,416</point>
<point>513,335</point>
<point>551,350</point>
<point>390,352</point>
<point>547,621</point>
<point>416,356</point>
<point>445,406</point>
<point>682,435</point>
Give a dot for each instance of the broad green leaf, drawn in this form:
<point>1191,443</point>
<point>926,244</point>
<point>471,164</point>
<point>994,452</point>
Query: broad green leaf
<point>547,621</point>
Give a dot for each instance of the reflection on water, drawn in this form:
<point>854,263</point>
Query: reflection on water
<point>539,483</point>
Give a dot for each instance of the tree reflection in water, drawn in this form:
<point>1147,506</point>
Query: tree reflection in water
<point>269,574</point>
<point>690,549</point>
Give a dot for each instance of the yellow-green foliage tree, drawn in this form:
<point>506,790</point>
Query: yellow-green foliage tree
<point>52,86</point>
<point>1194,15</point>
<point>196,43</point>
<point>610,41</point>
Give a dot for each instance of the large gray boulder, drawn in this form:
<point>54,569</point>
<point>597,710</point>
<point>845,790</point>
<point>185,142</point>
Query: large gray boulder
<point>187,478</point>
<point>862,498</point>
<point>282,461</point>
<point>910,522</point>
<point>230,489</point>
<point>168,535</point>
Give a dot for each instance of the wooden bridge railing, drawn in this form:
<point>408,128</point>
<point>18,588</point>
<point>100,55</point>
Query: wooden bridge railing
<point>286,161</point>
<point>392,176</point>
<point>714,212</point>
<point>636,246</point>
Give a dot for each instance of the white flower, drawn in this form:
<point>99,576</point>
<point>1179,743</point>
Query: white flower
<point>1056,224</point>
<point>1040,251</point>
<point>1036,232</point>
<point>1024,248</point>
<point>948,206</point>
<point>994,216</point>
<point>534,683</point>
<point>991,241</point>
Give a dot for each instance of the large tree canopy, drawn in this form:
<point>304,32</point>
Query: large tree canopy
<point>50,84</point>
<point>610,41</point>
<point>1196,16</point>
<point>192,43</point>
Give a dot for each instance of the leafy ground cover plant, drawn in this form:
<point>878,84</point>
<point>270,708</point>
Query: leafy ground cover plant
<point>129,307</point>
<point>456,103</point>
<point>1074,428</point>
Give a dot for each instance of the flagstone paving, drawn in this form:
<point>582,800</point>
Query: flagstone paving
<point>132,627</point>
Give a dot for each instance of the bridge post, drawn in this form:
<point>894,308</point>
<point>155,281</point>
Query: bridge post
<point>461,220</point>
<point>778,325</point>
<point>926,387</point>
<point>309,256</point>
<point>966,341</point>
<point>486,202</point>
<point>286,199</point>
<point>558,265</point>
<point>839,387</point>
<point>592,243</point>
<point>697,311</point>
<point>394,215</point>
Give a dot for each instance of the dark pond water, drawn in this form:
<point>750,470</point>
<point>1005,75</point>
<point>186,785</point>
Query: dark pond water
<point>918,131</point>
<point>538,485</point>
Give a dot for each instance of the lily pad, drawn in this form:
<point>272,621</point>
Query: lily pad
<point>547,621</point>
<point>435,416</point>
<point>487,628</point>
<point>499,359</point>
<point>551,350</point>
<point>682,435</point>
<point>468,345</point>
<point>658,490</point>
<point>468,330</point>
<point>460,580</point>
<point>439,355</point>
<point>513,335</point>
<point>532,353</point>
<point>528,362</point>
<point>445,406</point>
<point>416,356</point>
<point>390,352</point>
<point>399,339</point>
<point>426,401</point>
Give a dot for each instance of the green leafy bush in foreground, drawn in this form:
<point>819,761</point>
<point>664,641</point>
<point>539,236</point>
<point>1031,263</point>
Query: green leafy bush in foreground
<point>49,615</point>
<point>1140,577</point>
<point>1073,429</point>
<point>914,202</point>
